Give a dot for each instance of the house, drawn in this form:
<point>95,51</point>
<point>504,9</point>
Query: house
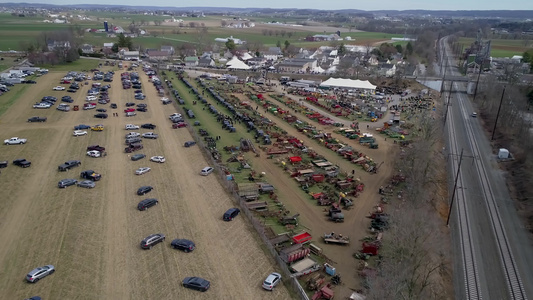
<point>191,61</point>
<point>206,62</point>
<point>211,54</point>
<point>297,65</point>
<point>257,61</point>
<point>169,49</point>
<point>236,41</point>
<point>60,45</point>
<point>128,55</point>
<point>273,53</point>
<point>387,70</point>
<point>324,37</point>
<point>156,55</point>
<point>87,49</point>
<point>373,60</point>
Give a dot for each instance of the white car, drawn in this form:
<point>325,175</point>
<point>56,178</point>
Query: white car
<point>142,170</point>
<point>271,281</point>
<point>59,88</point>
<point>474,115</point>
<point>93,153</point>
<point>15,141</point>
<point>158,159</point>
<point>150,135</point>
<point>206,171</point>
<point>79,132</point>
<point>131,127</point>
<point>91,98</point>
<point>133,134</point>
<point>174,115</point>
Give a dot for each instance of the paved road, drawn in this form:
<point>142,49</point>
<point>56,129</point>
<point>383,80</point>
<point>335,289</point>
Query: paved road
<point>470,136</point>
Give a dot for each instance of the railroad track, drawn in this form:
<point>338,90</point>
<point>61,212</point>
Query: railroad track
<point>513,281</point>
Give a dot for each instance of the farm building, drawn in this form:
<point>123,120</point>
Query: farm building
<point>342,83</point>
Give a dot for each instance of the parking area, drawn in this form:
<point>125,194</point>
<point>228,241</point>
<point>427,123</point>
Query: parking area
<point>92,236</point>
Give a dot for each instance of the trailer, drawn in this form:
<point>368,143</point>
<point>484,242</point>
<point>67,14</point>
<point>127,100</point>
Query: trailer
<point>334,238</point>
<point>302,238</point>
<point>257,205</point>
<point>293,253</point>
<point>304,267</point>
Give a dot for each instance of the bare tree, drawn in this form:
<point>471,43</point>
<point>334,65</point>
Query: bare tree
<point>223,23</point>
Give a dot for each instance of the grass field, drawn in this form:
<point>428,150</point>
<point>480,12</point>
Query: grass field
<point>501,48</point>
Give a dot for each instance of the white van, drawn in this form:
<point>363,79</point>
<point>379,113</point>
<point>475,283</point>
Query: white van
<point>206,171</point>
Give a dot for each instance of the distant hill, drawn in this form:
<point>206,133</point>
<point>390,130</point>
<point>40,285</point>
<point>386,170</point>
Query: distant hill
<point>512,14</point>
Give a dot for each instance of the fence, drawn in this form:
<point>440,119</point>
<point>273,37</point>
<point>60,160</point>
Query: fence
<point>230,187</point>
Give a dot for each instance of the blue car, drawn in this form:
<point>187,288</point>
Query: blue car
<point>81,126</point>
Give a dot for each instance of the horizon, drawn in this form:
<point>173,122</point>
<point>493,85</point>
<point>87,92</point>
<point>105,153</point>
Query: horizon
<point>331,5</point>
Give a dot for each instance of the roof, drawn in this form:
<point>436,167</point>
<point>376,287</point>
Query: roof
<point>191,58</point>
<point>348,83</point>
<point>235,63</point>
<point>157,53</point>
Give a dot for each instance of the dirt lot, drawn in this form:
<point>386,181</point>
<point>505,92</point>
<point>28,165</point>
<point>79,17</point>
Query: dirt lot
<point>92,236</point>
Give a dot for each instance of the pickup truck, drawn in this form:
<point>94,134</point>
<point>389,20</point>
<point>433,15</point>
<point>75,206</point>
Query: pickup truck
<point>133,147</point>
<point>22,162</point>
<point>69,165</point>
<point>15,141</point>
<point>37,119</point>
<point>91,175</point>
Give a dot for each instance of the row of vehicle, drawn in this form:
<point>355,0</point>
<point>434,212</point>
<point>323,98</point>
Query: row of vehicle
<point>21,162</point>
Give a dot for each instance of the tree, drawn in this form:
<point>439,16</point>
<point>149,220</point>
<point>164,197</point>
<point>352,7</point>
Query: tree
<point>399,48</point>
<point>409,48</point>
<point>223,23</point>
<point>264,31</point>
<point>289,34</point>
<point>287,44</point>
<point>124,41</point>
<point>230,44</point>
<point>278,44</point>
<point>341,50</point>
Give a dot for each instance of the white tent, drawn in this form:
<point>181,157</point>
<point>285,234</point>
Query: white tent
<point>348,84</point>
<point>237,64</point>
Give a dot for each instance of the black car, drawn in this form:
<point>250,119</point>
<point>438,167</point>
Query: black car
<point>231,213</point>
<point>152,240</point>
<point>137,157</point>
<point>91,175</point>
<point>196,283</point>
<point>113,105</point>
<point>148,126</point>
<point>101,116</point>
<point>30,81</point>
<point>142,105</point>
<point>144,190</point>
<point>143,109</point>
<point>130,104</point>
<point>101,110</point>
<point>147,203</point>
<point>67,99</point>
<point>81,126</point>
<point>71,90</point>
<point>183,245</point>
<point>37,119</point>
<point>22,162</point>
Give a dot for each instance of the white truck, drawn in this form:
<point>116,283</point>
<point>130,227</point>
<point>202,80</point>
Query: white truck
<point>15,141</point>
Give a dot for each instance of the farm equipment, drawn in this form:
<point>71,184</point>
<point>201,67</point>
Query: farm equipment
<point>293,220</point>
<point>346,202</point>
<point>337,217</point>
<point>324,293</point>
<point>302,238</point>
<point>336,279</point>
<point>336,239</point>
<point>293,253</point>
<point>304,267</point>
<point>315,282</point>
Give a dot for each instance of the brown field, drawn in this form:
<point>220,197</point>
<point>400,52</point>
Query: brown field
<point>92,236</point>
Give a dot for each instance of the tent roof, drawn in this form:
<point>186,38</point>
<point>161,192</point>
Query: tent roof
<point>348,83</point>
<point>235,63</point>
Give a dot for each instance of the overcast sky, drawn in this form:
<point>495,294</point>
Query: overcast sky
<point>320,4</point>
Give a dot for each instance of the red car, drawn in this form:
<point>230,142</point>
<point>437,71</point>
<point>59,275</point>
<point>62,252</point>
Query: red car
<point>179,125</point>
<point>65,81</point>
<point>127,110</point>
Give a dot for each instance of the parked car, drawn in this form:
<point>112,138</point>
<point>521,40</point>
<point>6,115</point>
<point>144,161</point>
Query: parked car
<point>142,105</point>
<point>98,127</point>
<point>143,170</point>
<point>189,143</point>
<point>158,159</point>
<point>66,182</point>
<point>150,135</point>
<point>42,105</point>
<point>63,107</point>
<point>127,110</point>
<point>179,125</point>
<point>37,119</point>
<point>165,101</point>
<point>147,203</point>
<point>88,184</point>
<point>101,110</point>
<point>71,90</point>
<point>271,281</point>
<point>174,115</point>
<point>30,81</point>
<point>128,104</point>
<point>231,213</point>
<point>474,115</point>
<point>133,140</point>
<point>131,114</point>
<point>148,126</point>
<point>137,157</point>
<point>68,165</point>
<point>133,135</point>
<point>206,171</point>
<point>196,283</point>
<point>142,109</point>
<point>144,190</point>
<point>3,164</point>
<point>82,126</point>
<point>152,240</point>
<point>101,116</point>
<point>113,105</point>
<point>39,273</point>
<point>79,132</point>
<point>22,162</point>
<point>96,147</point>
<point>59,88</point>
<point>67,99</point>
<point>91,175</point>
<point>183,245</point>
<point>133,147</point>
<point>94,153</point>
<point>131,127</point>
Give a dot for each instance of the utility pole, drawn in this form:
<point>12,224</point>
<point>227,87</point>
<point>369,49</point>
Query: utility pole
<point>448,102</point>
<point>454,187</point>
<point>497,115</point>
<point>477,84</point>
